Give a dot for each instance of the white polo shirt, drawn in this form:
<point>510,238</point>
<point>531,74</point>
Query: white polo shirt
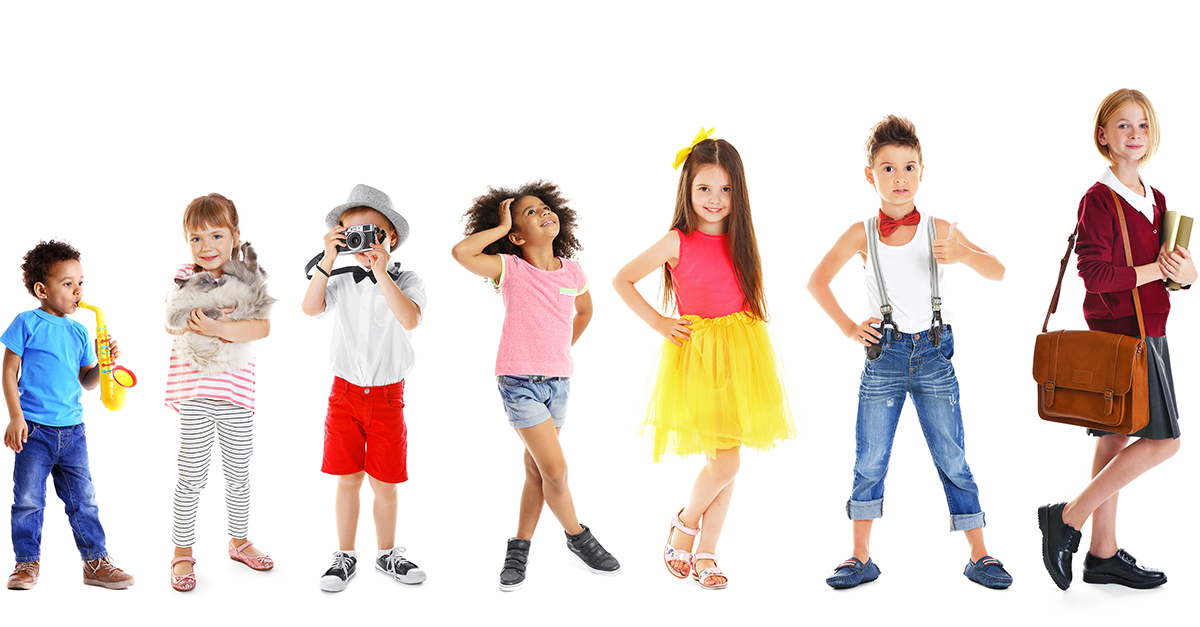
<point>370,348</point>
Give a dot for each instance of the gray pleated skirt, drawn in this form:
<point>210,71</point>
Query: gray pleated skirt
<point>1164,415</point>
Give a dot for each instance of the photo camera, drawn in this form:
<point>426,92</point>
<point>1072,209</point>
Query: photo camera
<point>360,237</point>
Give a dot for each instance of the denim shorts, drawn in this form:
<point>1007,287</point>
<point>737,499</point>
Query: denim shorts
<point>529,400</point>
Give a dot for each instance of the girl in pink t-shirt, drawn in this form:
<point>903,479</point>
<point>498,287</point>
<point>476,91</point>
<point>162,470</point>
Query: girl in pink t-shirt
<point>214,404</point>
<point>522,240</point>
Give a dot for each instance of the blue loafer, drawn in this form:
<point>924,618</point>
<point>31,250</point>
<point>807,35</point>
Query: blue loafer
<point>988,572</point>
<point>852,572</point>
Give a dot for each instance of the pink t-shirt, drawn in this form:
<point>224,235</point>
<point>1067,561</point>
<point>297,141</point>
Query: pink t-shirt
<point>539,317</point>
<point>704,280</point>
<point>185,382</point>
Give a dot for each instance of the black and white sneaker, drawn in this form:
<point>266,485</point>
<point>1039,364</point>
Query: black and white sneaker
<point>587,548</point>
<point>516,557</point>
<point>340,574</point>
<point>400,569</point>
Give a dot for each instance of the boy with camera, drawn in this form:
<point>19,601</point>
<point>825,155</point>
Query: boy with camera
<point>370,355</point>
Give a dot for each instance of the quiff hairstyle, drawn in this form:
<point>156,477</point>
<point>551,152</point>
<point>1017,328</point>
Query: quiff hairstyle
<point>212,211</point>
<point>743,245</point>
<point>1115,102</point>
<point>892,131</point>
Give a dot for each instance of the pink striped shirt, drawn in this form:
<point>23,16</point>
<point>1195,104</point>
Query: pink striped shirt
<point>185,382</point>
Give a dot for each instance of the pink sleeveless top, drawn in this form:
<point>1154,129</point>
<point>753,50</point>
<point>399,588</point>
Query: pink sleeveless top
<point>704,280</point>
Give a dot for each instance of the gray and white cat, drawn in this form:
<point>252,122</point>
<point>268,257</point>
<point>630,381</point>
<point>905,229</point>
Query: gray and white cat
<point>242,286</point>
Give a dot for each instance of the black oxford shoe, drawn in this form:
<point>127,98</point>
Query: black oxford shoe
<point>1121,569</point>
<point>1059,541</point>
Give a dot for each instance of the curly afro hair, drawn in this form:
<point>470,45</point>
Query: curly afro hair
<point>40,261</point>
<point>485,209</point>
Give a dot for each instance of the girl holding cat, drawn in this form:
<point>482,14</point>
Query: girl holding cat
<point>220,404</point>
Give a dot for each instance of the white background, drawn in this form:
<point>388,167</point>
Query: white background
<point>115,116</point>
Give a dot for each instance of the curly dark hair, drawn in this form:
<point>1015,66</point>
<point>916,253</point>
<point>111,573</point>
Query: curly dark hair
<point>40,261</point>
<point>483,215</point>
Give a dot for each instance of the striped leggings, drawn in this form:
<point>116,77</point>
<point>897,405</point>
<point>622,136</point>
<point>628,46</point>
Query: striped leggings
<point>199,419</point>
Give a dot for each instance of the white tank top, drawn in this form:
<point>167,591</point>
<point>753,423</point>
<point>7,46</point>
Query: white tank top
<point>906,276</point>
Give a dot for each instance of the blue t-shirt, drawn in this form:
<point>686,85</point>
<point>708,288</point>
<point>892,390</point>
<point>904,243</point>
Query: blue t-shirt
<point>52,350</point>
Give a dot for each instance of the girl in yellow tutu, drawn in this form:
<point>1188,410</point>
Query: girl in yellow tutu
<point>718,388</point>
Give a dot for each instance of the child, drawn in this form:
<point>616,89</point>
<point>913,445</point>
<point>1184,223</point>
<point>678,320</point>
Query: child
<point>1126,133</point>
<point>903,247</point>
<point>217,404</point>
<point>523,241</point>
<point>370,356</point>
<point>46,360</point>
<point>711,265</point>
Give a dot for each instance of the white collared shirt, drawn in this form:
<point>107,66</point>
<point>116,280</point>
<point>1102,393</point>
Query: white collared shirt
<point>370,348</point>
<point>1144,204</point>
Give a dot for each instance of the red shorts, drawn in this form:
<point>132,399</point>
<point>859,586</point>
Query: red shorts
<point>364,430</point>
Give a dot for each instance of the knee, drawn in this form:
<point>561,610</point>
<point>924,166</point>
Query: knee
<point>533,474</point>
<point>350,482</point>
<point>382,489</point>
<point>555,475</point>
<point>724,467</point>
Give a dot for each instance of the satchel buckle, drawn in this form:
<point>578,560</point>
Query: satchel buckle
<point>1049,386</point>
<point>1108,402</point>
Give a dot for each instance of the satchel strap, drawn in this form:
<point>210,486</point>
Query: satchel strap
<point>1062,270</point>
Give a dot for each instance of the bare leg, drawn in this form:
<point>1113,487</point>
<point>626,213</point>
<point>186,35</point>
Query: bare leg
<point>1127,464</point>
<point>709,503</point>
<point>862,539</point>
<point>532,499</point>
<point>182,568</point>
<point>542,444</point>
<point>975,539</point>
<point>345,508</point>
<point>384,511</point>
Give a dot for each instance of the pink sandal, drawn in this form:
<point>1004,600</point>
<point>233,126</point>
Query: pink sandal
<point>260,562</point>
<point>673,555</point>
<point>183,583</point>
<point>707,576</point>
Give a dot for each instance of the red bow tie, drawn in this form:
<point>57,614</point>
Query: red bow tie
<point>888,225</point>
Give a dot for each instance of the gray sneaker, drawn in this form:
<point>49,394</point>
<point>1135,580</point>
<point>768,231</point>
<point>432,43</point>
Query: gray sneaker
<point>400,569</point>
<point>340,574</point>
<point>512,576</point>
<point>587,548</point>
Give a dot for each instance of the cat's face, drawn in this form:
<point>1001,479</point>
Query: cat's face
<point>200,282</point>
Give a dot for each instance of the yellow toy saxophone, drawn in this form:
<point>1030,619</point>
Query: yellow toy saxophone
<point>113,378</point>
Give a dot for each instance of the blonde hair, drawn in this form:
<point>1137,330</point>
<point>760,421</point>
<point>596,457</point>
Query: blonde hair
<point>1115,102</point>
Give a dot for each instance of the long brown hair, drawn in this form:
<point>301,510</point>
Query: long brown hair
<point>743,245</point>
<point>213,211</point>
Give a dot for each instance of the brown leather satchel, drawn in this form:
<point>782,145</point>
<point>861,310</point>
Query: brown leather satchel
<point>1093,378</point>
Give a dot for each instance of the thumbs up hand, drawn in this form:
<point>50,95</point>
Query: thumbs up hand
<point>949,250</point>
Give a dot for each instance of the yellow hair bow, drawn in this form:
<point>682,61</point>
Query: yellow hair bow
<point>683,153</point>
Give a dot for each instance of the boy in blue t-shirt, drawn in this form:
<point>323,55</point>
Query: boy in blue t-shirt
<point>47,358</point>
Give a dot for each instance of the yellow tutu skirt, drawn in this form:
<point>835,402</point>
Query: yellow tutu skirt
<point>719,390</point>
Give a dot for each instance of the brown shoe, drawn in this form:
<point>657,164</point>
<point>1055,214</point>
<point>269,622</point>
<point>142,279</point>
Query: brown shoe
<point>104,573</point>
<point>24,576</point>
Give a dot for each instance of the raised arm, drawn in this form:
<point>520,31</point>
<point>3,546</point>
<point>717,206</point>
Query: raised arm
<point>469,252</point>
<point>665,251</point>
<point>314,297</point>
<point>852,242</point>
<point>952,246</point>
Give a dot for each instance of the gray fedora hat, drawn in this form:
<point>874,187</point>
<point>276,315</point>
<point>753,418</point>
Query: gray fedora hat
<point>367,196</point>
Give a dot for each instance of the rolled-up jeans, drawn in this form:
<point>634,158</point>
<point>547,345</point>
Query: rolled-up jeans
<point>910,365</point>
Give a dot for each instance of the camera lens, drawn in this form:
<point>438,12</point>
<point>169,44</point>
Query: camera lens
<point>354,241</point>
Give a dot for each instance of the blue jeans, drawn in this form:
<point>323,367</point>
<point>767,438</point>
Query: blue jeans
<point>911,365</point>
<point>531,400</point>
<point>61,453</point>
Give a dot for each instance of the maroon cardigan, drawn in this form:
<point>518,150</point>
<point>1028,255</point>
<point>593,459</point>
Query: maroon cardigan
<point>1108,304</point>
